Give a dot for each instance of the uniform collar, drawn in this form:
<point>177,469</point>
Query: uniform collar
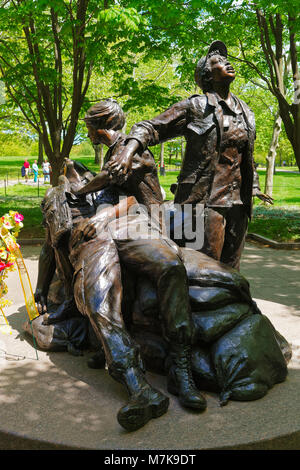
<point>215,100</point>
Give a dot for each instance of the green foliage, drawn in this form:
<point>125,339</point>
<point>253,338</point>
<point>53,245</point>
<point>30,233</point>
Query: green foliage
<point>12,144</point>
<point>139,52</point>
<point>84,148</point>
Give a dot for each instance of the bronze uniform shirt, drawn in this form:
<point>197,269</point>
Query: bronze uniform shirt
<point>225,191</point>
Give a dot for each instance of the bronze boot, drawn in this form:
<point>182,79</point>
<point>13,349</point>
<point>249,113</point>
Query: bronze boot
<point>180,380</point>
<point>144,403</point>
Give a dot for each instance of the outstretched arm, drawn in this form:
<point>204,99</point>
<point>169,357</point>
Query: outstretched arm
<point>119,164</point>
<point>168,125</point>
<point>107,213</point>
<point>97,183</point>
<point>263,197</point>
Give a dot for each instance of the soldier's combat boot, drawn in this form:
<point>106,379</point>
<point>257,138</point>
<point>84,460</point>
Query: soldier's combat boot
<point>145,402</point>
<point>180,380</point>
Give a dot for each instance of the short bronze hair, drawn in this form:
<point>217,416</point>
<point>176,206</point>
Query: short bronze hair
<point>106,114</point>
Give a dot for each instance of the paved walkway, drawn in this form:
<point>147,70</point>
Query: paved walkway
<point>21,180</point>
<point>57,402</point>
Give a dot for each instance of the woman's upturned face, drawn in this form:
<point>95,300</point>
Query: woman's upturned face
<point>221,69</point>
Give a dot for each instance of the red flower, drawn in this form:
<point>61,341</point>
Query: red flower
<point>4,265</point>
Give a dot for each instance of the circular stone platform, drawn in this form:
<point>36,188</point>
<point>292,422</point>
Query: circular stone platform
<point>54,401</point>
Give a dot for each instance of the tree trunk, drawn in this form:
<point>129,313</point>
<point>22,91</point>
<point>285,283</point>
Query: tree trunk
<point>97,154</point>
<point>56,165</point>
<point>161,157</point>
<point>270,159</point>
<point>292,127</point>
<point>182,150</point>
<point>41,151</point>
<point>279,69</point>
<point>296,146</point>
<point>101,163</point>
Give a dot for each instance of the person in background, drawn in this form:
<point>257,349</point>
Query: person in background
<point>23,171</point>
<point>46,171</point>
<point>27,167</point>
<point>35,171</point>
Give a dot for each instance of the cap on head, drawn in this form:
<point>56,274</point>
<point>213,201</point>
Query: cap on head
<point>216,47</point>
<point>106,114</point>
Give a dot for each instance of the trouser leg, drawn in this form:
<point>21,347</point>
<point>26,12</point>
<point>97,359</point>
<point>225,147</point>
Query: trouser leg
<point>235,235</point>
<point>160,261</point>
<point>98,287</point>
<point>98,293</point>
<point>214,233</point>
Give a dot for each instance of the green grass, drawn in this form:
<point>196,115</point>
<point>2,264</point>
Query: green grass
<point>286,188</point>
<point>11,166</point>
<point>22,190</point>
<point>30,208</point>
<point>24,199</point>
<point>280,224</point>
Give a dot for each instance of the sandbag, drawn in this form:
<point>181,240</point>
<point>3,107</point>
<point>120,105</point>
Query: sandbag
<point>284,345</point>
<point>210,325</point>
<point>204,271</point>
<point>206,298</point>
<point>248,360</point>
<point>201,298</point>
<point>203,370</point>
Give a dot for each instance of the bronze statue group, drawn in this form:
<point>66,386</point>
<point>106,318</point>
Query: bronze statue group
<point>142,298</point>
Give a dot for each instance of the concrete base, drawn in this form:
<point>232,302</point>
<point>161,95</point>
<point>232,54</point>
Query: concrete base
<point>54,401</point>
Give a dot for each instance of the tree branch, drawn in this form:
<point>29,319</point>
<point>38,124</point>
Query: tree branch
<point>58,67</point>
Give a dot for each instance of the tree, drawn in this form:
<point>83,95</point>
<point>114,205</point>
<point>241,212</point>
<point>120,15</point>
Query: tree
<point>48,50</point>
<point>261,35</point>
<point>270,159</point>
<point>51,51</point>
<point>278,25</point>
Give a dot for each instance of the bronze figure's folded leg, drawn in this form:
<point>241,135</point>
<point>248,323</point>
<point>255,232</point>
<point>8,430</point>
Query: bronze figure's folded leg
<point>98,293</point>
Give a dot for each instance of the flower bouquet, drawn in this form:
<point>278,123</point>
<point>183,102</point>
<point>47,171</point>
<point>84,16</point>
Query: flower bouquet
<point>10,224</point>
